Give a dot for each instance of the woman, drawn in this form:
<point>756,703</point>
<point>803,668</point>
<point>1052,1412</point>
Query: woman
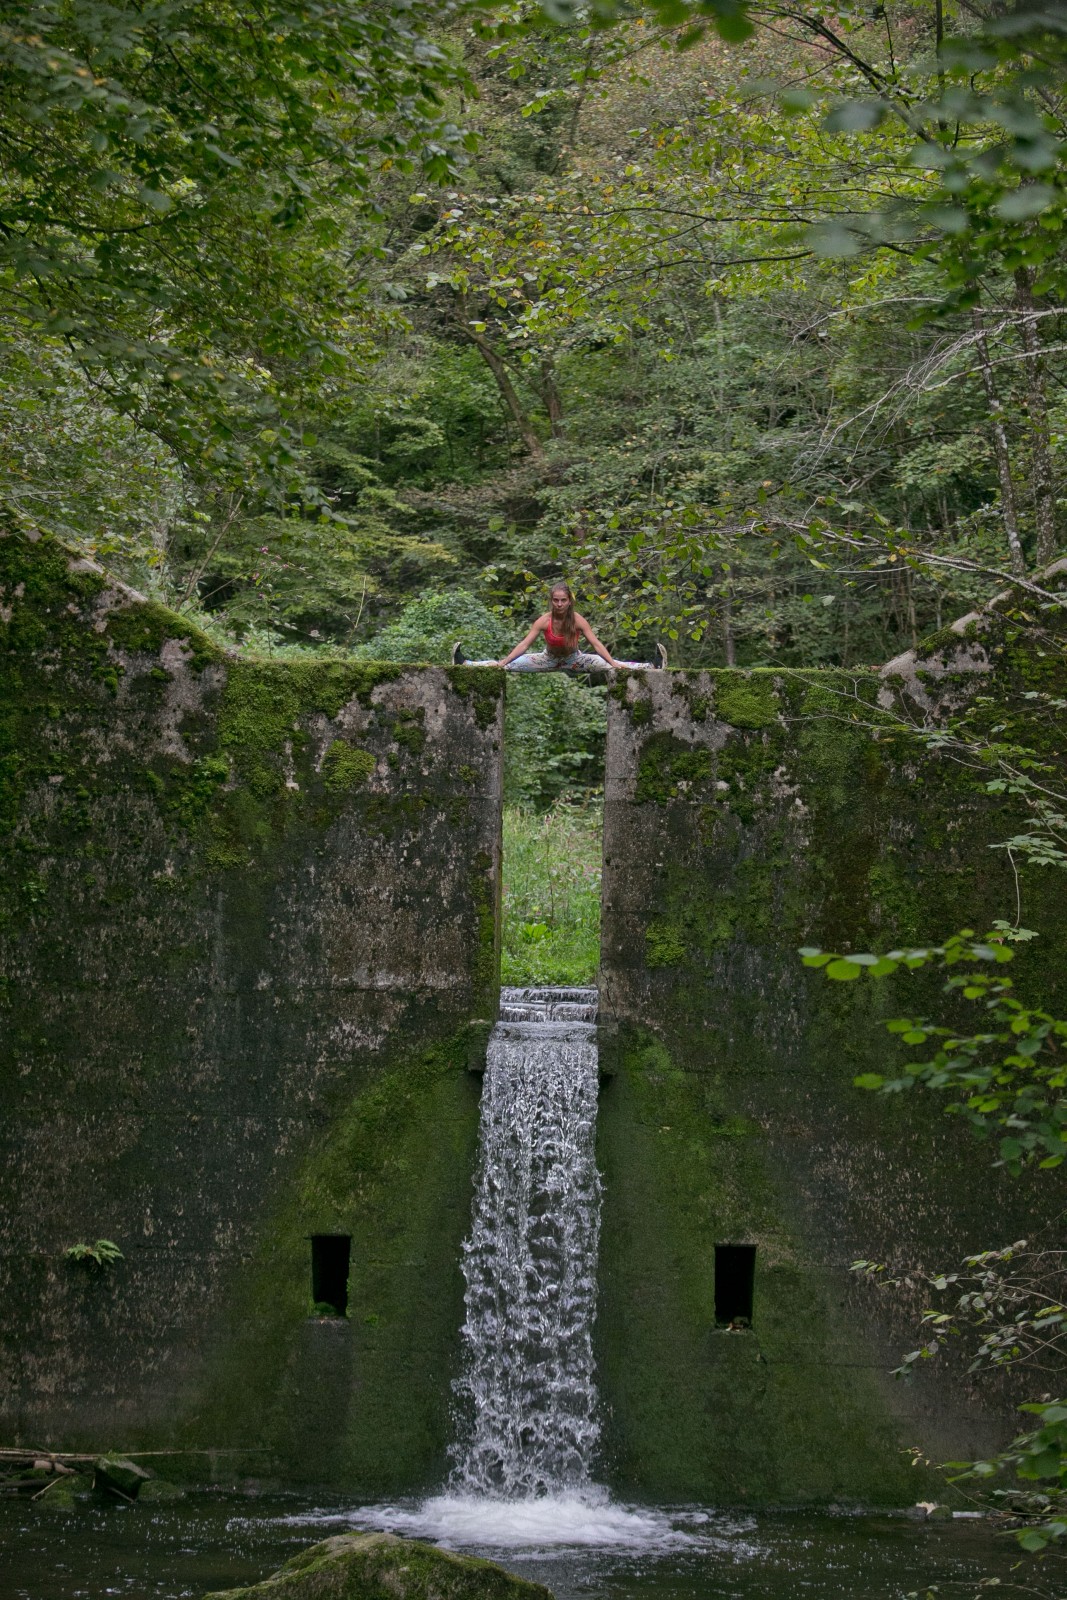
<point>561,626</point>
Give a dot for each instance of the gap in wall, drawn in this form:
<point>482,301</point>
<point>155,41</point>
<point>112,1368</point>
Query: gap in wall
<point>330,1259</point>
<point>735,1281</point>
<point>554,736</point>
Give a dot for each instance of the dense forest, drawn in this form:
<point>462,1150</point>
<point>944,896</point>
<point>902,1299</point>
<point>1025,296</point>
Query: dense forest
<point>348,329</point>
<point>757,340</point>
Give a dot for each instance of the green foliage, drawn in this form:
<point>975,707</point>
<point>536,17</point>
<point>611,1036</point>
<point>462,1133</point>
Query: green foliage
<point>551,897</point>
<point>1037,1457</point>
<point>1009,1302</point>
<point>1011,1306</point>
<point>554,732</point>
<point>620,342</point>
<point>1011,1076</point>
<point>173,198</point>
<point>431,624</point>
<point>310,579</point>
<point>104,1253</point>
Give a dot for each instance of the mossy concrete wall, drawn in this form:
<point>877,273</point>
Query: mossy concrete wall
<point>249,914</point>
<point>748,814</point>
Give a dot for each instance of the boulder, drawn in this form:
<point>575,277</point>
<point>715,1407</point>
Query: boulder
<point>115,1476</point>
<point>64,1493</point>
<point>379,1566</point>
<point>157,1491</point>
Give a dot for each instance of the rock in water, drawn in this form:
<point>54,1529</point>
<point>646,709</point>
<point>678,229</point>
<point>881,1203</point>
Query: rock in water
<point>114,1475</point>
<point>379,1566</point>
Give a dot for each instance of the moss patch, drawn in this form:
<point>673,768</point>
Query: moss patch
<point>345,767</point>
<point>665,944</point>
<point>667,768</point>
<point>484,687</point>
<point>746,700</point>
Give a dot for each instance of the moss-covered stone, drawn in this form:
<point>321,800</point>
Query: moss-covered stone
<point>822,823</point>
<point>787,1413</point>
<point>379,1566</point>
<point>345,767</point>
<point>160,1492</point>
<point>668,767</point>
<point>143,627</point>
<point>64,1494</point>
<point>746,700</point>
<point>247,914</point>
<point>483,687</point>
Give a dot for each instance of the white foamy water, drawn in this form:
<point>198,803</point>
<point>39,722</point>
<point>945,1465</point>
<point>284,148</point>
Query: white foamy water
<point>590,1521</point>
<point>527,1397</point>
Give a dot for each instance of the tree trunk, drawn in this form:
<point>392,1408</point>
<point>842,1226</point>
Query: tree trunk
<point>728,643</point>
<point>1000,446</point>
<point>551,397</point>
<point>507,390</point>
<point>1041,477</point>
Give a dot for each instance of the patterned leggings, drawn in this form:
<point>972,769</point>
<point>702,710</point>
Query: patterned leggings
<point>545,661</point>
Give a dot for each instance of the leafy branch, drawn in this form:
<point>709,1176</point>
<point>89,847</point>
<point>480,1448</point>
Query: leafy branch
<point>104,1253</point>
<point>1008,1078</point>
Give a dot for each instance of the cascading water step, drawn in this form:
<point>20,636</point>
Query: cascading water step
<point>549,1005</point>
<point>528,1390</point>
<point>530,1028</point>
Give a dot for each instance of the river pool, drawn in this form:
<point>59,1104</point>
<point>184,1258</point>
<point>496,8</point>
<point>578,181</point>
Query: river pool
<point>208,1541</point>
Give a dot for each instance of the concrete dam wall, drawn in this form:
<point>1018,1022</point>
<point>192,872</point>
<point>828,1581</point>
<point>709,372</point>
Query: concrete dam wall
<point>249,951</point>
<point>747,815</point>
<point>249,915</point>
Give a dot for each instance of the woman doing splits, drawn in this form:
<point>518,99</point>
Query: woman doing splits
<point>561,626</point>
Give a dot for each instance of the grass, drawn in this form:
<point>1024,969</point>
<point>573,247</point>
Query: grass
<point>552,894</point>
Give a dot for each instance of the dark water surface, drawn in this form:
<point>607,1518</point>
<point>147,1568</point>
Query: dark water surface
<point>182,1550</point>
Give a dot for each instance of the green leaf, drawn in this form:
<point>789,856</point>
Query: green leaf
<point>843,970</point>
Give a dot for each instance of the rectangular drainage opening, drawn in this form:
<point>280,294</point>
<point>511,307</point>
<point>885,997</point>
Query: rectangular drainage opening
<point>735,1272</point>
<point>330,1254</point>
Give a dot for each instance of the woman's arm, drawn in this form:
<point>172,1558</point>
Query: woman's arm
<point>583,627</point>
<point>520,649</point>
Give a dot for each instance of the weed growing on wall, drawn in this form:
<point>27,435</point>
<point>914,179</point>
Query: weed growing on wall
<point>552,894</point>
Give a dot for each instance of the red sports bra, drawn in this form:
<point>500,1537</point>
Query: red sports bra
<point>556,641</point>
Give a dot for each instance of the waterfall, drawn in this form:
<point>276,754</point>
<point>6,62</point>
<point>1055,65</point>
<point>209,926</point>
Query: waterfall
<point>528,1390</point>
